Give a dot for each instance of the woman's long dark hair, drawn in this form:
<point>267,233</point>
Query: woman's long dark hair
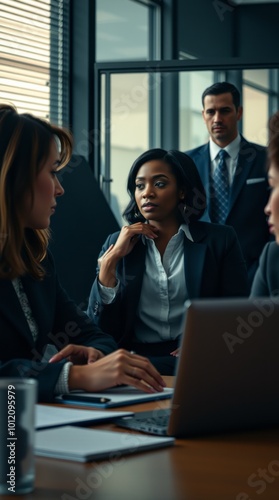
<point>25,142</point>
<point>187,177</point>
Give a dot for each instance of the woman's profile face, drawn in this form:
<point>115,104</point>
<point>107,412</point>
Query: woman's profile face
<point>46,189</point>
<point>272,207</point>
<point>156,191</point>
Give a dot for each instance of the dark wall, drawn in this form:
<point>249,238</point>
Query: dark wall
<point>79,227</point>
<point>217,28</point>
<point>258,31</point>
<point>205,28</point>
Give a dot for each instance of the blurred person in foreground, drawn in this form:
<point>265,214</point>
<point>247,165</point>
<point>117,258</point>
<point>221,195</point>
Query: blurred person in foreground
<point>266,281</point>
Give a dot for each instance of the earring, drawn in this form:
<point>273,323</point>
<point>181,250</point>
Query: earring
<point>184,211</point>
<point>182,206</point>
<point>137,214</point>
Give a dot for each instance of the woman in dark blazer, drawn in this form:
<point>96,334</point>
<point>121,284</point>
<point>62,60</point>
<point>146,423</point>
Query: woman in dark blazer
<point>164,257</point>
<point>266,281</point>
<point>34,310</point>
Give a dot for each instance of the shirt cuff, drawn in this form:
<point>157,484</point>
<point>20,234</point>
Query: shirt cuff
<point>62,384</point>
<point>108,294</point>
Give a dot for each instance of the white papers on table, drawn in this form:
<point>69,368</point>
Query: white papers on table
<point>53,416</point>
<point>84,445</point>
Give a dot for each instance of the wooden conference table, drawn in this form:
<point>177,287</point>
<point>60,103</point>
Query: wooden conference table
<point>242,466</point>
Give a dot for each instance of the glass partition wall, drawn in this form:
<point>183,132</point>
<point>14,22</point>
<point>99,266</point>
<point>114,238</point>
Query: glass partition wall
<point>158,104</point>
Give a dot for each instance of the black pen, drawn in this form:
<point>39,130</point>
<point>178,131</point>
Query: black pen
<point>86,399</point>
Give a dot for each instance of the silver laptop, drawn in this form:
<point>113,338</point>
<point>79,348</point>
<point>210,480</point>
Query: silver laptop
<point>228,371</point>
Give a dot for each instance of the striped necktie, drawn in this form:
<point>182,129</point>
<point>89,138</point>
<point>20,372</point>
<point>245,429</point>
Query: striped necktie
<point>221,188</point>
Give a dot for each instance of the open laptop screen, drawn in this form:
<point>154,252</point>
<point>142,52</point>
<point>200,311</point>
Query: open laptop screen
<point>228,371</point>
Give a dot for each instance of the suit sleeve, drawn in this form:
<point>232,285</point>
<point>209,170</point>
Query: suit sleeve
<point>64,323</point>
<point>71,325</point>
<point>107,316</point>
<point>95,300</point>
<point>234,272</point>
<point>260,287</point>
<point>46,375</point>
<point>78,326</point>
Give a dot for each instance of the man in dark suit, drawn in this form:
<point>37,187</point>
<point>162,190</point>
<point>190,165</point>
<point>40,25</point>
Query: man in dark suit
<point>245,170</point>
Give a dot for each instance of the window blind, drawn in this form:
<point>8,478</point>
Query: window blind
<point>34,57</point>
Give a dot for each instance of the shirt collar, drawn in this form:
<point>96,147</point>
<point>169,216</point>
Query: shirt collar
<point>232,148</point>
<point>183,228</point>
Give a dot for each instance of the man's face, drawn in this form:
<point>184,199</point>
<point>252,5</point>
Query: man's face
<point>221,116</point>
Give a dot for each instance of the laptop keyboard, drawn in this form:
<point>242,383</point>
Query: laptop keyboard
<point>150,422</point>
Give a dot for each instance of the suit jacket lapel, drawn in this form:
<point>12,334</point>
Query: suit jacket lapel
<point>134,269</point>
<point>203,163</point>
<point>11,309</point>
<point>40,303</point>
<point>194,258</point>
<point>204,166</point>
<point>245,162</point>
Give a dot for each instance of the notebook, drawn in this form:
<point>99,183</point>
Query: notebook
<point>228,371</point>
<point>55,416</point>
<point>84,445</point>
<point>114,397</point>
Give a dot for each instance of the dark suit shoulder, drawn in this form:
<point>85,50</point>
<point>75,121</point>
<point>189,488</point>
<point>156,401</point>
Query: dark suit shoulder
<point>197,151</point>
<point>271,253</point>
<point>49,262</point>
<point>48,265</point>
<point>266,280</point>
<point>258,147</point>
<point>209,229</point>
<point>112,238</point>
<point>243,145</point>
